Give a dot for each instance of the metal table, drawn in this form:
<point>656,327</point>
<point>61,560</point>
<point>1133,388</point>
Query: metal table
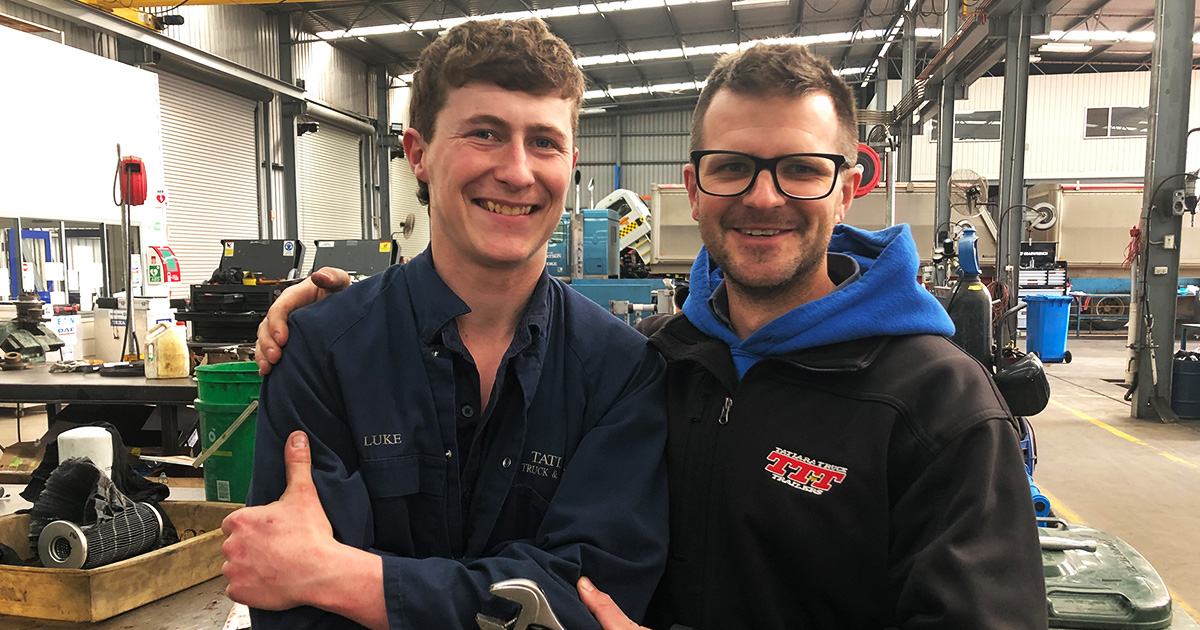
<point>38,385</point>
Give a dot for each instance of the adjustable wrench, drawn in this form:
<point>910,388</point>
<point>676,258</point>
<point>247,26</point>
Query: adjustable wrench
<point>535,613</point>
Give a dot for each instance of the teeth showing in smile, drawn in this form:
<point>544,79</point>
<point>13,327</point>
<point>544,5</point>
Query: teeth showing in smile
<point>760,232</point>
<point>509,210</point>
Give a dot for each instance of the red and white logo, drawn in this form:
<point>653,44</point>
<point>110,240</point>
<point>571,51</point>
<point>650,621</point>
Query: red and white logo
<point>801,472</point>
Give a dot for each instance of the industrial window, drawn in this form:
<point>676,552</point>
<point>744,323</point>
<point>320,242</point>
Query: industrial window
<point>1117,122</point>
<point>971,126</point>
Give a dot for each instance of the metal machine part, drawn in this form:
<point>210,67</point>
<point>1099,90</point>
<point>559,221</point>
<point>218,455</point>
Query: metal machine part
<point>27,334</point>
<point>65,545</point>
<point>535,613</point>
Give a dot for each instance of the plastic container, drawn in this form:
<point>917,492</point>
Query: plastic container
<point>1185,388</point>
<point>227,470</point>
<point>166,353</point>
<point>1046,327</point>
<point>228,383</point>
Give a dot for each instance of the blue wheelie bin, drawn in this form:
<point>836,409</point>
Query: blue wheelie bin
<point>1047,323</point>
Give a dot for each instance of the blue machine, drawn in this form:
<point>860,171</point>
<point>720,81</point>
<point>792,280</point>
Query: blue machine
<point>558,263</point>
<point>601,258</point>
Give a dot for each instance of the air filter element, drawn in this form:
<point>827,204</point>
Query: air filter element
<point>65,545</point>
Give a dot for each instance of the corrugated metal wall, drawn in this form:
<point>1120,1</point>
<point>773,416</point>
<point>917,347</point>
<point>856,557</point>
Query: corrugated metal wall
<point>652,149</point>
<point>242,34</point>
<point>73,35</point>
<point>333,77</point>
<point>1056,149</point>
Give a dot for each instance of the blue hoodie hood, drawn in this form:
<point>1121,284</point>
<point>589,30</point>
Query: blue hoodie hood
<point>886,300</point>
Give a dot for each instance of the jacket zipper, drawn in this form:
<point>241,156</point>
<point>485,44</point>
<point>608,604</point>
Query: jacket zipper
<point>724,419</point>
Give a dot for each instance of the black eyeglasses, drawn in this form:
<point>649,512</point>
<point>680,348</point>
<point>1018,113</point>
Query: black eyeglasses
<point>797,175</point>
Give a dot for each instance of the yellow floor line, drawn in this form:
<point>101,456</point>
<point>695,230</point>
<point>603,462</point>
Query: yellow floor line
<point>1123,435</point>
<point>1064,512</point>
<point>1107,427</point>
<point>1187,608</point>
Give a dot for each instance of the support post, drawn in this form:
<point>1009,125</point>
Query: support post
<point>287,131</point>
<point>1166,148</point>
<point>945,143</point>
<point>1010,218</point>
<point>908,76</point>
<point>383,156</point>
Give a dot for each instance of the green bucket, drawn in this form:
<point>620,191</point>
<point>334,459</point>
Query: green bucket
<point>228,383</point>
<point>227,470</point>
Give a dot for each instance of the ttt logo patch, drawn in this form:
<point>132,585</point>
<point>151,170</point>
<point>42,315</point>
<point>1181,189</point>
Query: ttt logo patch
<point>801,472</point>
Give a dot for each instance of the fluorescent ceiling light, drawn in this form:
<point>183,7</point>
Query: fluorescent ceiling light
<point>1034,58</point>
<point>644,89</point>
<point>556,12</point>
<point>1136,37</point>
<point>722,49</point>
<point>741,5</point>
<point>1065,47</point>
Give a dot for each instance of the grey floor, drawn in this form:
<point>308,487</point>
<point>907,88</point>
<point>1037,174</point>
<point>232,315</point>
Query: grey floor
<point>1137,479</point>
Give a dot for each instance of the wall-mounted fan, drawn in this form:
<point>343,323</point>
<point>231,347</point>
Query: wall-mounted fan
<point>968,192</point>
<point>408,225</point>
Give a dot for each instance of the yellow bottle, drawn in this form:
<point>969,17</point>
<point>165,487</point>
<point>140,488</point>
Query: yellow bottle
<point>166,353</point>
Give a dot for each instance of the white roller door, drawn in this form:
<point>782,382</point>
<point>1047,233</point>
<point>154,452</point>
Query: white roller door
<point>404,202</point>
<point>209,164</point>
<point>330,195</point>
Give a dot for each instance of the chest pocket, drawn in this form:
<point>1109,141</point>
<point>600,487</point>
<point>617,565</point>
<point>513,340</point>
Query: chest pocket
<point>406,502</point>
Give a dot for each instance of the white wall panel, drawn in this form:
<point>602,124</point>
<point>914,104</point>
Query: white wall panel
<point>332,76</point>
<point>242,34</point>
<point>1056,148</point>
<point>210,170</point>
<point>404,203</point>
<point>330,195</point>
<point>73,35</point>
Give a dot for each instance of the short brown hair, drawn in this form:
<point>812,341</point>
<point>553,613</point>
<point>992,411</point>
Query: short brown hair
<point>518,55</point>
<point>780,70</point>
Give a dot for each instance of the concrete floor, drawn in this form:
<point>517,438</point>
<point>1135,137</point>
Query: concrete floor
<point>1137,479</point>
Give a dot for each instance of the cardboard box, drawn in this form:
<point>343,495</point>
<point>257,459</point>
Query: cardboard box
<point>90,595</point>
<point>17,462</point>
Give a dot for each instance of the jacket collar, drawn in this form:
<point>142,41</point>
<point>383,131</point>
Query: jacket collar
<point>680,340</point>
<point>435,305</point>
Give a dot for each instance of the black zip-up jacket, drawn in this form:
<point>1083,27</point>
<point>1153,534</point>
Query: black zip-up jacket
<point>875,483</point>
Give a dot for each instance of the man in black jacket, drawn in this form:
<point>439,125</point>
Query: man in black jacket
<point>834,461</point>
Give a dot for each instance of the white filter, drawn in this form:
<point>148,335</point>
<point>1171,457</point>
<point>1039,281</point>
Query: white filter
<point>93,443</point>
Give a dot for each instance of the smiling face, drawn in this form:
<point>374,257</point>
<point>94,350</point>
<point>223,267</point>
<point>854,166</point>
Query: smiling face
<point>498,167</point>
<point>769,246</point>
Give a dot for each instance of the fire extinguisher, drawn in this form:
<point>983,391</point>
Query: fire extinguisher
<point>131,174</point>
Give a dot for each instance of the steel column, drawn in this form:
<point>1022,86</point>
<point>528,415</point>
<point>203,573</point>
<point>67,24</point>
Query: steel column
<point>908,76</point>
<point>1009,217</point>
<point>383,124</point>
<point>289,107</point>
<point>1166,149</point>
<point>945,144</point>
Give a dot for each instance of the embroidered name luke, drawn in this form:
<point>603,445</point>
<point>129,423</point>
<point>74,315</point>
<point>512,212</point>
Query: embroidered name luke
<point>801,472</point>
<point>543,465</point>
<point>381,439</point>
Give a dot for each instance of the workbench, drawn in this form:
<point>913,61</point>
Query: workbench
<point>38,385</point>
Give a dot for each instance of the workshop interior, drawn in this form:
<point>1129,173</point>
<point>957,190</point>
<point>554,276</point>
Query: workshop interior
<point>170,168</point>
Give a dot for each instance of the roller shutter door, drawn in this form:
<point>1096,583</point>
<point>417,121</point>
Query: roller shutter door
<point>404,202</point>
<point>330,185</point>
<point>209,165</point>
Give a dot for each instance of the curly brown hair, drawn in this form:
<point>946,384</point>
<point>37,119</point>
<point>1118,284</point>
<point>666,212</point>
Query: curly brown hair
<point>519,55</point>
<point>780,70</point>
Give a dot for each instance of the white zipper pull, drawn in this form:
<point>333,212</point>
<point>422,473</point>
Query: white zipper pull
<point>724,419</point>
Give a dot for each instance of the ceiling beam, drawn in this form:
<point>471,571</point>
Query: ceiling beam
<point>1086,15</point>
<point>862,15</point>
<point>1136,26</point>
<point>682,45</point>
